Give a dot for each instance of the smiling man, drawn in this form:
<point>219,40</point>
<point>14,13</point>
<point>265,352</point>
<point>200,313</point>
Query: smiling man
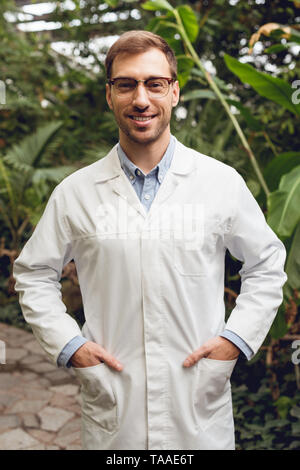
<point>142,108</point>
<point>148,227</point>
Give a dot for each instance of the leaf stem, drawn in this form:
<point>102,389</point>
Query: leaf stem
<point>223,101</point>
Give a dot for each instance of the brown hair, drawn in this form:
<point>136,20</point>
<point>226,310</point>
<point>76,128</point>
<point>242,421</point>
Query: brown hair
<point>136,42</point>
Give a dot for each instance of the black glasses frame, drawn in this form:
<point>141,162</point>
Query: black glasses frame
<point>169,80</point>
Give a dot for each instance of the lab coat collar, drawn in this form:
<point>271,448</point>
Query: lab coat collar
<point>181,164</point>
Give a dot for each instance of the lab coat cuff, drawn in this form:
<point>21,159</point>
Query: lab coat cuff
<point>239,342</point>
<point>68,351</point>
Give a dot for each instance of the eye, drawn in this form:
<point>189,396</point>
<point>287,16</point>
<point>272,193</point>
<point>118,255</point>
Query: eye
<point>155,84</point>
<point>125,84</point>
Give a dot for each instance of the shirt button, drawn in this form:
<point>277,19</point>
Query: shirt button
<point>131,177</point>
<point>147,196</point>
<point>138,172</point>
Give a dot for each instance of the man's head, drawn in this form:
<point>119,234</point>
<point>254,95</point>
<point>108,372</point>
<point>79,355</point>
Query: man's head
<point>142,112</point>
<point>136,42</point>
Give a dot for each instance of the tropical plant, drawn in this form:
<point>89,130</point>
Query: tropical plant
<point>283,172</point>
<point>26,177</point>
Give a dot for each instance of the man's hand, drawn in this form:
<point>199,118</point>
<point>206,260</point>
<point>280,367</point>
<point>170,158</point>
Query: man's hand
<point>215,348</point>
<point>91,354</point>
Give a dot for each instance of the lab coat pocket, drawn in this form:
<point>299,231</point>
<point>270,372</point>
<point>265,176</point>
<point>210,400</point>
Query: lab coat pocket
<point>187,254</point>
<point>213,391</point>
<point>99,403</point>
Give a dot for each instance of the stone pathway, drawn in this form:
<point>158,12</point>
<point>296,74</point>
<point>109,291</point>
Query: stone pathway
<point>39,402</point>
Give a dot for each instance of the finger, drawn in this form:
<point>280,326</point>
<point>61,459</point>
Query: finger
<point>110,360</point>
<point>195,357</point>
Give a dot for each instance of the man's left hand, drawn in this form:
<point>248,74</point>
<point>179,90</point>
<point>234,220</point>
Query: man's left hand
<point>215,348</point>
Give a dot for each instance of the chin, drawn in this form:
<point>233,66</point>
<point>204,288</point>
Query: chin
<point>144,137</point>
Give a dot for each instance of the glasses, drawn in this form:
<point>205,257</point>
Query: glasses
<point>157,87</point>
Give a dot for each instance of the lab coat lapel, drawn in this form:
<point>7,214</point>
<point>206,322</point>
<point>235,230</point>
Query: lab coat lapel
<point>112,173</point>
<point>181,166</point>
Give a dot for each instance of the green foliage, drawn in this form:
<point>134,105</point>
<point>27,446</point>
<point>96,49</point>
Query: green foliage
<point>283,204</point>
<point>11,315</point>
<point>155,5</point>
<point>270,87</point>
<point>279,166</point>
<point>189,21</point>
<point>26,179</point>
<point>293,262</point>
<point>262,422</point>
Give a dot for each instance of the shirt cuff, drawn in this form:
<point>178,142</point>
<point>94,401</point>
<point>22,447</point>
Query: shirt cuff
<point>239,342</point>
<point>68,351</point>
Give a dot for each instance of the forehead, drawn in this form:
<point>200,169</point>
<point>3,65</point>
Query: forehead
<point>142,65</point>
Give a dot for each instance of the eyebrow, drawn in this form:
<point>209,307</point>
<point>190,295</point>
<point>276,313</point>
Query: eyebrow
<point>151,76</point>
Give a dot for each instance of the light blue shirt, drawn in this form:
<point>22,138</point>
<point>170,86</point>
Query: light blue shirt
<point>146,187</point>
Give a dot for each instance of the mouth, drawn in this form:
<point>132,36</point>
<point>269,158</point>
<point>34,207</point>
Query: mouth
<point>142,119</point>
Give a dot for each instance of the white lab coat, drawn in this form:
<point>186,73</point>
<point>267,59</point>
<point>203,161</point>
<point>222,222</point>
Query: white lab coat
<point>152,286</point>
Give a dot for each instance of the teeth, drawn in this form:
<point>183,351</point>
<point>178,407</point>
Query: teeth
<point>140,118</point>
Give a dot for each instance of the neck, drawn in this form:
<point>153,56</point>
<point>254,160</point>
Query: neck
<point>145,156</point>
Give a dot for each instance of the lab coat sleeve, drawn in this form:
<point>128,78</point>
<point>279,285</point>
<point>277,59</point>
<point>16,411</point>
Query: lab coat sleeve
<point>252,241</point>
<point>37,272</point>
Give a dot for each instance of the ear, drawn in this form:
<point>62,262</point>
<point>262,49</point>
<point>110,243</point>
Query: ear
<point>175,93</point>
<point>108,95</point>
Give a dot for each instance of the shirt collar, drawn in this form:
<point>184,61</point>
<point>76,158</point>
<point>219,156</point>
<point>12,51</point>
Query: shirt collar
<point>160,170</point>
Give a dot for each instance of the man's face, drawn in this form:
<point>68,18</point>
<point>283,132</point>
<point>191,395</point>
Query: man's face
<point>152,63</point>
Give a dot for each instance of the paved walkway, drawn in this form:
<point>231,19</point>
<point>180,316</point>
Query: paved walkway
<point>39,403</point>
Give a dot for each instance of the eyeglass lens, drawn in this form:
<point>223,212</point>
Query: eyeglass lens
<point>154,86</point>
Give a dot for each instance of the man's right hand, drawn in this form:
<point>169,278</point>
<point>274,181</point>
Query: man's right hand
<point>91,354</point>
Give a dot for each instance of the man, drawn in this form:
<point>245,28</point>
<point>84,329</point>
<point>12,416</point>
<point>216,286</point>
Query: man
<point>148,227</point>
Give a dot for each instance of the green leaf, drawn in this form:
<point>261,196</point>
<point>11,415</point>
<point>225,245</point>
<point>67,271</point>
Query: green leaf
<point>167,30</point>
<point>112,3</point>
<point>252,123</point>
<point>283,204</point>
<point>292,268</point>
<point>295,411</point>
<point>153,24</point>
<point>273,88</point>
<point>279,47</point>
<point>156,5</point>
<point>254,186</point>
<point>283,408</point>
<point>196,94</point>
<point>190,21</point>
<point>280,165</point>
<point>221,84</point>
<point>283,405</point>
<point>184,67</point>
<point>296,429</point>
<point>275,48</point>
<point>29,152</point>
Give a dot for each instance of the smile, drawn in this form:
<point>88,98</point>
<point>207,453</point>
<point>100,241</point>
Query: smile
<point>141,118</point>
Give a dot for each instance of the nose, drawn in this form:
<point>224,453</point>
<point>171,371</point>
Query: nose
<point>140,97</point>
